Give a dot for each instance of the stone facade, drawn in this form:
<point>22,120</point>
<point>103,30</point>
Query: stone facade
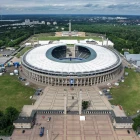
<point>65,80</point>
<point>22,125</point>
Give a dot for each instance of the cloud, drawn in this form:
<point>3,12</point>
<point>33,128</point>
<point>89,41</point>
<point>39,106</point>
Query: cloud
<point>88,5</point>
<point>70,7</point>
<point>124,6</point>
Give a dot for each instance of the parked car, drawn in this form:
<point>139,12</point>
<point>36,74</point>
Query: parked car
<point>23,79</point>
<point>41,131</point>
<point>39,90</point>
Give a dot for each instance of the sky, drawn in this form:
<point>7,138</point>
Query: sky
<point>121,7</point>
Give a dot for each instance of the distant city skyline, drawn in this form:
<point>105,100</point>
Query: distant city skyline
<point>121,7</point>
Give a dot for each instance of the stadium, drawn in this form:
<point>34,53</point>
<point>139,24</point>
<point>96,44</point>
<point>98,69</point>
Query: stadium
<point>80,65</point>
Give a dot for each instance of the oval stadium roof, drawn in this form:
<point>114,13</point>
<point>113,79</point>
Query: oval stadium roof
<point>105,59</point>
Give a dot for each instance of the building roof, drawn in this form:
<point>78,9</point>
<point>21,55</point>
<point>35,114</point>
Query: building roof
<point>105,43</point>
<point>123,120</point>
<point>28,44</point>
<point>105,60</point>
<point>126,53</point>
<point>133,57</point>
<point>24,120</point>
<point>138,63</point>
<point>68,41</point>
<point>44,42</point>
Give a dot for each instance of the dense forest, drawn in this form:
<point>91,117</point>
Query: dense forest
<point>123,36</point>
<point>6,121</point>
<point>10,37</point>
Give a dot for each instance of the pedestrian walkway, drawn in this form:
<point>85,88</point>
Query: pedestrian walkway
<point>53,99</point>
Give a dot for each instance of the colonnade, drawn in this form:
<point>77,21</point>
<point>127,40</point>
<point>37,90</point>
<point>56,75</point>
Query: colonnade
<point>65,80</point>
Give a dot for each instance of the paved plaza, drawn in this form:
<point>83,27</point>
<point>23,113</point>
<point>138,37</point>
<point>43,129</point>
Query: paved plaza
<point>53,99</point>
<point>69,127</point>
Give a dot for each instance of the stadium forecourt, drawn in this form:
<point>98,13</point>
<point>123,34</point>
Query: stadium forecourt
<point>87,64</point>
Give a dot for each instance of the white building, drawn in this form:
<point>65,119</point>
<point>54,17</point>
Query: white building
<point>133,59</point>
<point>48,23</point>
<point>54,23</point>
<point>24,122</point>
<point>123,122</point>
<point>43,22</point>
<point>27,22</point>
<point>44,42</point>
<point>68,41</point>
<point>28,44</point>
<point>105,43</point>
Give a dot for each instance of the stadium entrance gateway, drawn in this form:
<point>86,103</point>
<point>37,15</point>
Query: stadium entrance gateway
<point>79,102</point>
<point>71,82</point>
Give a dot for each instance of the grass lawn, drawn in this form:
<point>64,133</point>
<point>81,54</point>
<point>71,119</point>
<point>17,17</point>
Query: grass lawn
<point>23,51</point>
<point>13,93</point>
<point>45,37</point>
<point>128,93</point>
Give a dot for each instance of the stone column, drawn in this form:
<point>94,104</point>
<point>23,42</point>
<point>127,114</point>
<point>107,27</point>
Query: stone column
<point>91,80</point>
<point>98,80</point>
<point>88,81</point>
<point>74,51</point>
<point>84,81</point>
<point>45,79</point>
<point>65,102</point>
<point>107,42</point>
<point>63,81</point>
<point>70,26</point>
<point>55,81</point>
<point>48,80</point>
<point>94,80</point>
<point>80,102</point>
<point>37,78</point>
<point>102,41</point>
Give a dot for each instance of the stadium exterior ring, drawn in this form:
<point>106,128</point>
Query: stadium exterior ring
<point>98,64</point>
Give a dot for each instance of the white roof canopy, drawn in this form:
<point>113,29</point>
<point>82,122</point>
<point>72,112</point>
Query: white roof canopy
<point>104,59</point>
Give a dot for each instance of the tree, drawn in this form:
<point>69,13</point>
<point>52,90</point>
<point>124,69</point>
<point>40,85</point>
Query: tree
<point>138,42</point>
<point>11,114</point>
<point>1,113</point>
<point>6,121</point>
<point>3,122</point>
<point>85,104</point>
<point>1,43</point>
<point>136,122</point>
